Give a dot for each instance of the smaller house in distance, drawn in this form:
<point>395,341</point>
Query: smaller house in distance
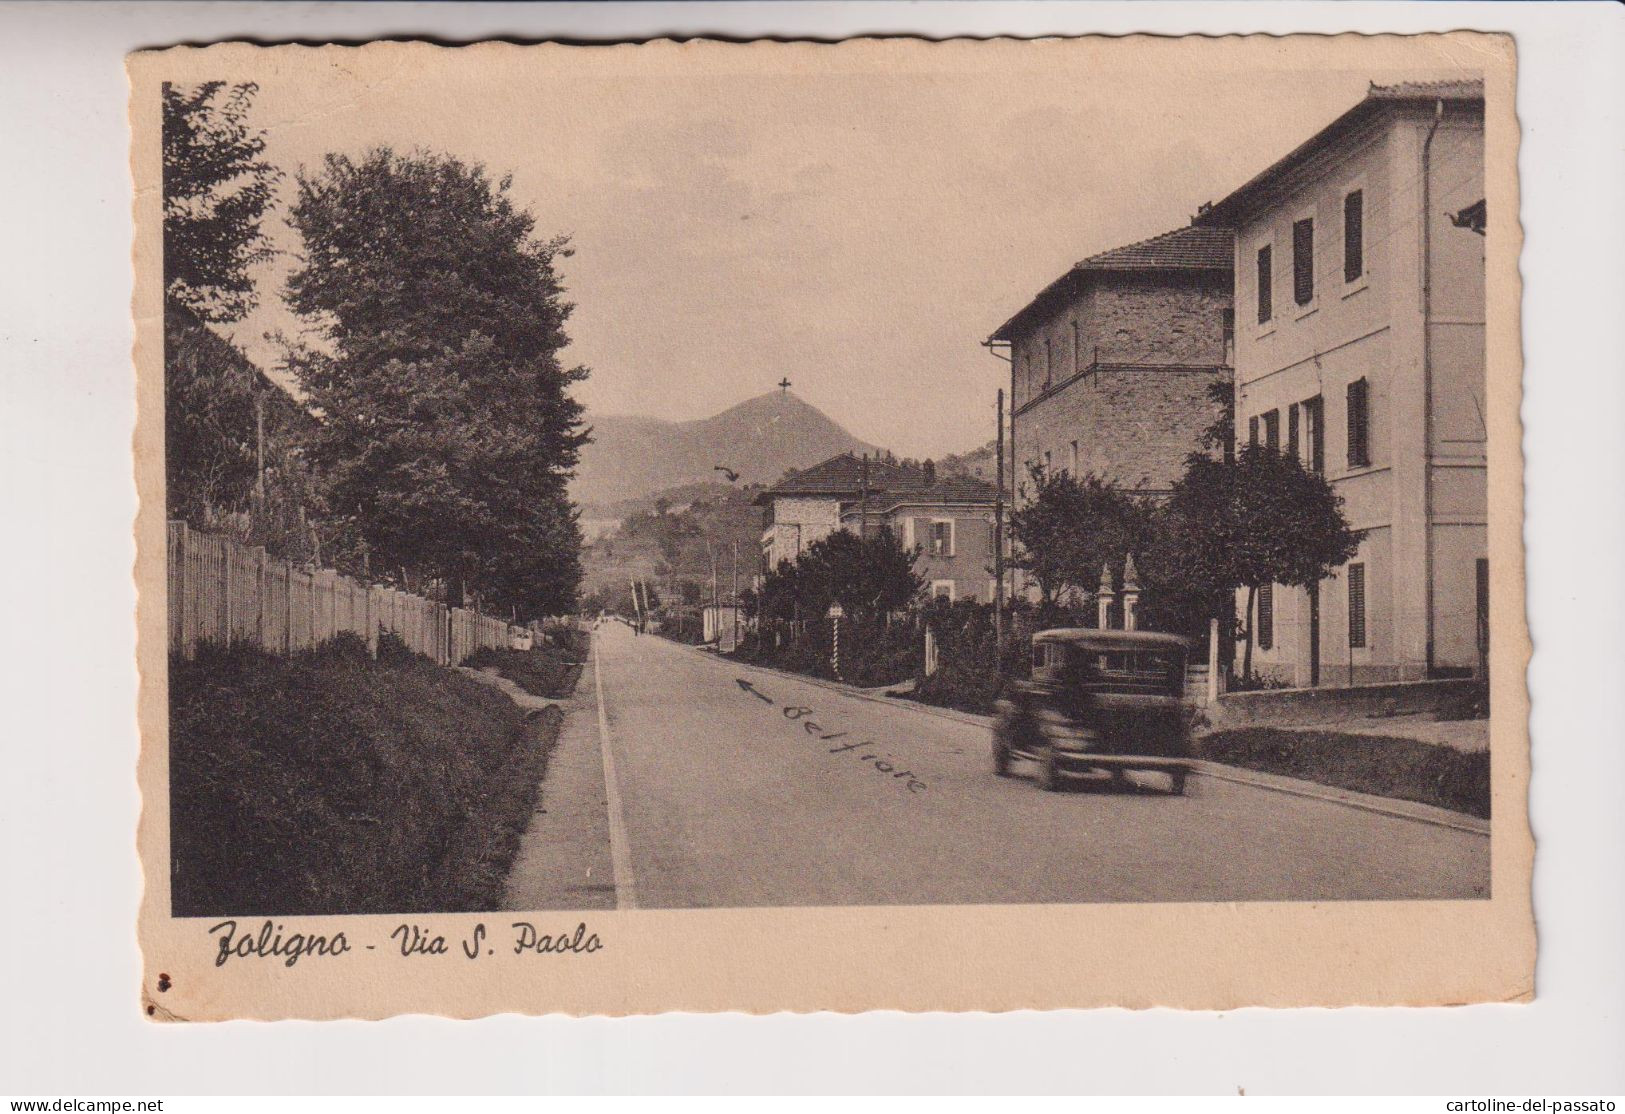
<point>949,518</point>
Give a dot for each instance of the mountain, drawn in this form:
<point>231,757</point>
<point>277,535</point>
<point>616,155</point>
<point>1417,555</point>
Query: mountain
<point>760,439</point>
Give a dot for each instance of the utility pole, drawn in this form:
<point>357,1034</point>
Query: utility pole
<point>259,446</point>
<point>998,538</point>
<point>716,604</point>
<point>734,599</point>
<point>863,500</point>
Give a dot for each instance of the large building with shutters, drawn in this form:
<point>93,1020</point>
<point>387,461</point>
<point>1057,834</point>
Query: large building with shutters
<point>1113,365</point>
<point>1359,294</point>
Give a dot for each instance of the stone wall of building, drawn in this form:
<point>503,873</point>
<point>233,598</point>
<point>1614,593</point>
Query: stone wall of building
<point>1123,319</point>
<point>1160,341</point>
<point>1132,426</point>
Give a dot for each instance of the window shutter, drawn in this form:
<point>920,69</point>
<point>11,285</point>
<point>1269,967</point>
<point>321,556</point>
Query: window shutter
<point>1357,605</point>
<point>1292,431</point>
<point>1264,292</point>
<point>1272,431</point>
<point>1315,414</point>
<point>1353,236</point>
<point>1303,261</point>
<point>1266,616</point>
<point>1359,424</point>
<point>1252,430</point>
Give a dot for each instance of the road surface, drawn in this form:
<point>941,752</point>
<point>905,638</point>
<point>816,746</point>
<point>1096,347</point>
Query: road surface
<point>781,792</point>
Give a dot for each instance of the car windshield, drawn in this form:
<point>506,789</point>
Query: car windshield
<point>1160,667</point>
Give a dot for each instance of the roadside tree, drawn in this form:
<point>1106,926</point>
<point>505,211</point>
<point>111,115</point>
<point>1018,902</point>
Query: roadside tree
<point>1071,529</point>
<point>1257,519</point>
<point>448,433</point>
<point>216,190</point>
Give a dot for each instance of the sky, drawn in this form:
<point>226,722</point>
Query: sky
<point>855,223</point>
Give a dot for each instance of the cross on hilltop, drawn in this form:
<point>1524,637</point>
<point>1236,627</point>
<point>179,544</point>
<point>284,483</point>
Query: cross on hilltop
<point>784,384</point>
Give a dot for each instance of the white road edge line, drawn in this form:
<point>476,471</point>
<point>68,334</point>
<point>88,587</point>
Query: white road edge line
<point>620,854</point>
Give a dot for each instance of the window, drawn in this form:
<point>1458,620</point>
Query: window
<point>1359,407</point>
<point>1354,236</point>
<point>1292,431</point>
<point>1313,434</point>
<point>1227,326</point>
<point>1264,292</point>
<point>1303,261</point>
<point>1252,431</point>
<point>941,538</point>
<point>1272,431</point>
<point>942,590</point>
<point>1266,616</point>
<point>1357,605</point>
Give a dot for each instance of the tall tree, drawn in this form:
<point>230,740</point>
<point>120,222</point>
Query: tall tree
<point>1257,519</point>
<point>217,188</point>
<point>1071,528</point>
<point>448,432</point>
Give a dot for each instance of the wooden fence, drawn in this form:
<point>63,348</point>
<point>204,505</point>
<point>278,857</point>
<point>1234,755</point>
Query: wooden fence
<point>227,594</point>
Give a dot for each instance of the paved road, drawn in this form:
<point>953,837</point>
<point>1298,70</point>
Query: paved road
<point>717,797</point>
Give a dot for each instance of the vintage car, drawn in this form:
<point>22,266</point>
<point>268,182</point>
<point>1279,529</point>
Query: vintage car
<point>1099,702</point>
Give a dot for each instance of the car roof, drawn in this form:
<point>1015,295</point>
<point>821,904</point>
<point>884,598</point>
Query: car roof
<point>1092,639</point>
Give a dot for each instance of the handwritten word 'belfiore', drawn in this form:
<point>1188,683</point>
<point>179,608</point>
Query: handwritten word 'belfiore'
<point>529,940</point>
<point>802,714</point>
<point>269,942</point>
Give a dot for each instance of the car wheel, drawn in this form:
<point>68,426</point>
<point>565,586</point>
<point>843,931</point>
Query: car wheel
<point>1049,770</point>
<point>1001,758</point>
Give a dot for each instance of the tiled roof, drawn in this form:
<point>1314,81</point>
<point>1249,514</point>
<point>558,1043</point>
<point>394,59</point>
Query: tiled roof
<point>1235,209</point>
<point>1189,248</point>
<point>888,483</point>
<point>946,489</point>
<point>1184,249</point>
<point>844,474</point>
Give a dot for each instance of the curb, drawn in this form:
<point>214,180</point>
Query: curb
<point>1294,787</point>
<point>1366,802</point>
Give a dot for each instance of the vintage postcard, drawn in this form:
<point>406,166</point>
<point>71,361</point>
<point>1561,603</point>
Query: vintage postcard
<point>969,525</point>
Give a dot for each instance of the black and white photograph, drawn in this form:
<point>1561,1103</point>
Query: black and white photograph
<point>787,477</point>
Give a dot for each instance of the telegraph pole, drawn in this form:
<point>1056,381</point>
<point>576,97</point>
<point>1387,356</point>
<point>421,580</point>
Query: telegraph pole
<point>998,537</point>
<point>716,604</point>
<point>735,597</point>
<point>259,447</point>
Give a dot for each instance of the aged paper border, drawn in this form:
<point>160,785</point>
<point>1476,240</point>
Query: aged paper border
<point>1198,955</point>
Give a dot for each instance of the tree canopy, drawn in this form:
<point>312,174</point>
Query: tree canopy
<point>868,577</point>
<point>216,188</point>
<point>216,402</point>
<point>1072,528</point>
<point>448,432</point>
<point>1257,519</point>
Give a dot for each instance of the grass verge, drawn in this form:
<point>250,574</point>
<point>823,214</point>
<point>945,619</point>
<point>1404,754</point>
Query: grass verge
<point>548,671</point>
<point>1376,764</point>
<point>331,783</point>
